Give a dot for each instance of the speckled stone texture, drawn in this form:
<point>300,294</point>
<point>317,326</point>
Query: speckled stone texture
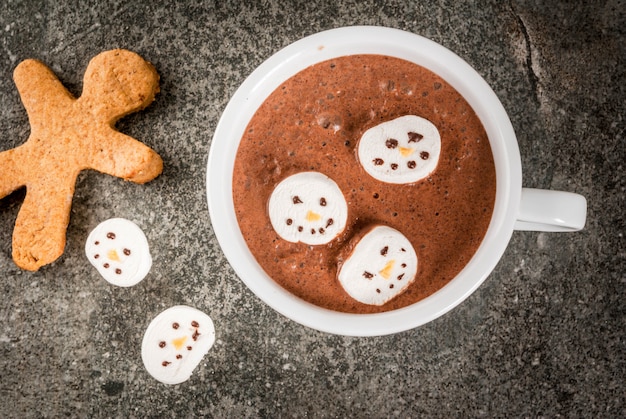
<point>543,336</point>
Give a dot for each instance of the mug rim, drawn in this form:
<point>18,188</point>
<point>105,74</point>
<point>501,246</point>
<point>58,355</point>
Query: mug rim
<point>331,44</point>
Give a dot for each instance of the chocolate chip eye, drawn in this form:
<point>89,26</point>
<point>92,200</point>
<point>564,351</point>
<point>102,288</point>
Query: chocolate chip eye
<point>127,252</point>
<point>378,162</point>
<point>414,137</point>
<point>424,155</point>
<point>323,201</point>
<point>384,251</point>
<point>162,344</point>
<point>368,275</point>
<point>411,164</point>
<point>391,143</point>
<point>195,323</point>
<point>175,325</point>
<point>111,235</point>
<point>296,200</point>
<point>289,221</point>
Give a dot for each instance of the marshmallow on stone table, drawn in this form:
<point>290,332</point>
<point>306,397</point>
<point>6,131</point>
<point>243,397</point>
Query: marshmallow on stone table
<point>119,250</point>
<point>308,207</point>
<point>403,150</point>
<point>381,266</point>
<point>175,342</point>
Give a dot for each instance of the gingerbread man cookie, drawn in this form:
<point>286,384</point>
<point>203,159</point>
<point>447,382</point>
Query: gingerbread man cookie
<point>69,135</point>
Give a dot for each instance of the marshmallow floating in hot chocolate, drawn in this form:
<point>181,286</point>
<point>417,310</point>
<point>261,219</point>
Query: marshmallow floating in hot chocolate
<point>381,266</point>
<point>308,207</point>
<point>119,250</point>
<point>175,342</point>
<point>403,150</point>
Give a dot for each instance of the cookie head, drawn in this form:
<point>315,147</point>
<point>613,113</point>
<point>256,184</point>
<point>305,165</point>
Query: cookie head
<point>403,150</point>
<point>119,82</point>
<point>119,250</point>
<point>381,266</point>
<point>175,342</point>
<point>308,207</point>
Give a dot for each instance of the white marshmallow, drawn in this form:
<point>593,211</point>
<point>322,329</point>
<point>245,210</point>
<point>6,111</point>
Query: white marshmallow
<point>381,266</point>
<point>403,150</point>
<point>308,207</point>
<point>119,251</point>
<point>175,342</point>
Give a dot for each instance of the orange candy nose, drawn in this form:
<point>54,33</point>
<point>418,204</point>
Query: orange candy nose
<point>313,216</point>
<point>386,271</point>
<point>178,343</point>
<point>112,255</point>
<point>406,151</point>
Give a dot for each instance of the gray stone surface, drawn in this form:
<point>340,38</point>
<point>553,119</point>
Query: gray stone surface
<point>543,336</point>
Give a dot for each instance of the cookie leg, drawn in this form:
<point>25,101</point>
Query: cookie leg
<point>127,158</point>
<point>39,234</point>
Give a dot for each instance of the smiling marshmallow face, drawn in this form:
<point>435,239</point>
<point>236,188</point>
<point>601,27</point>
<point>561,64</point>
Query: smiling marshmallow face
<point>403,150</point>
<point>308,207</point>
<point>175,342</point>
<point>119,250</point>
<point>381,266</point>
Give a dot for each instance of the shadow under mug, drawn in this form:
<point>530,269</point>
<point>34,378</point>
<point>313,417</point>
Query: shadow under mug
<point>516,208</point>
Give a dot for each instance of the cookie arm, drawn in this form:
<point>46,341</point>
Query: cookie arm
<point>122,156</point>
<point>41,92</point>
<point>40,228</point>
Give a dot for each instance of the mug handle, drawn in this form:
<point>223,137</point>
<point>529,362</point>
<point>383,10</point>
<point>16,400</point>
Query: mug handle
<point>555,211</point>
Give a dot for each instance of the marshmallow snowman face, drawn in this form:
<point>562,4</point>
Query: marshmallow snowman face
<point>381,266</point>
<point>403,150</point>
<point>308,207</point>
<point>175,342</point>
<point>119,250</point>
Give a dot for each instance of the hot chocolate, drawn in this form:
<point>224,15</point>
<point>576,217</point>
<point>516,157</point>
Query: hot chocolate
<point>313,123</point>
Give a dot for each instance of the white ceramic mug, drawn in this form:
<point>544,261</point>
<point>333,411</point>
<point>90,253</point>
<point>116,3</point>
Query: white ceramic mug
<point>516,208</point>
